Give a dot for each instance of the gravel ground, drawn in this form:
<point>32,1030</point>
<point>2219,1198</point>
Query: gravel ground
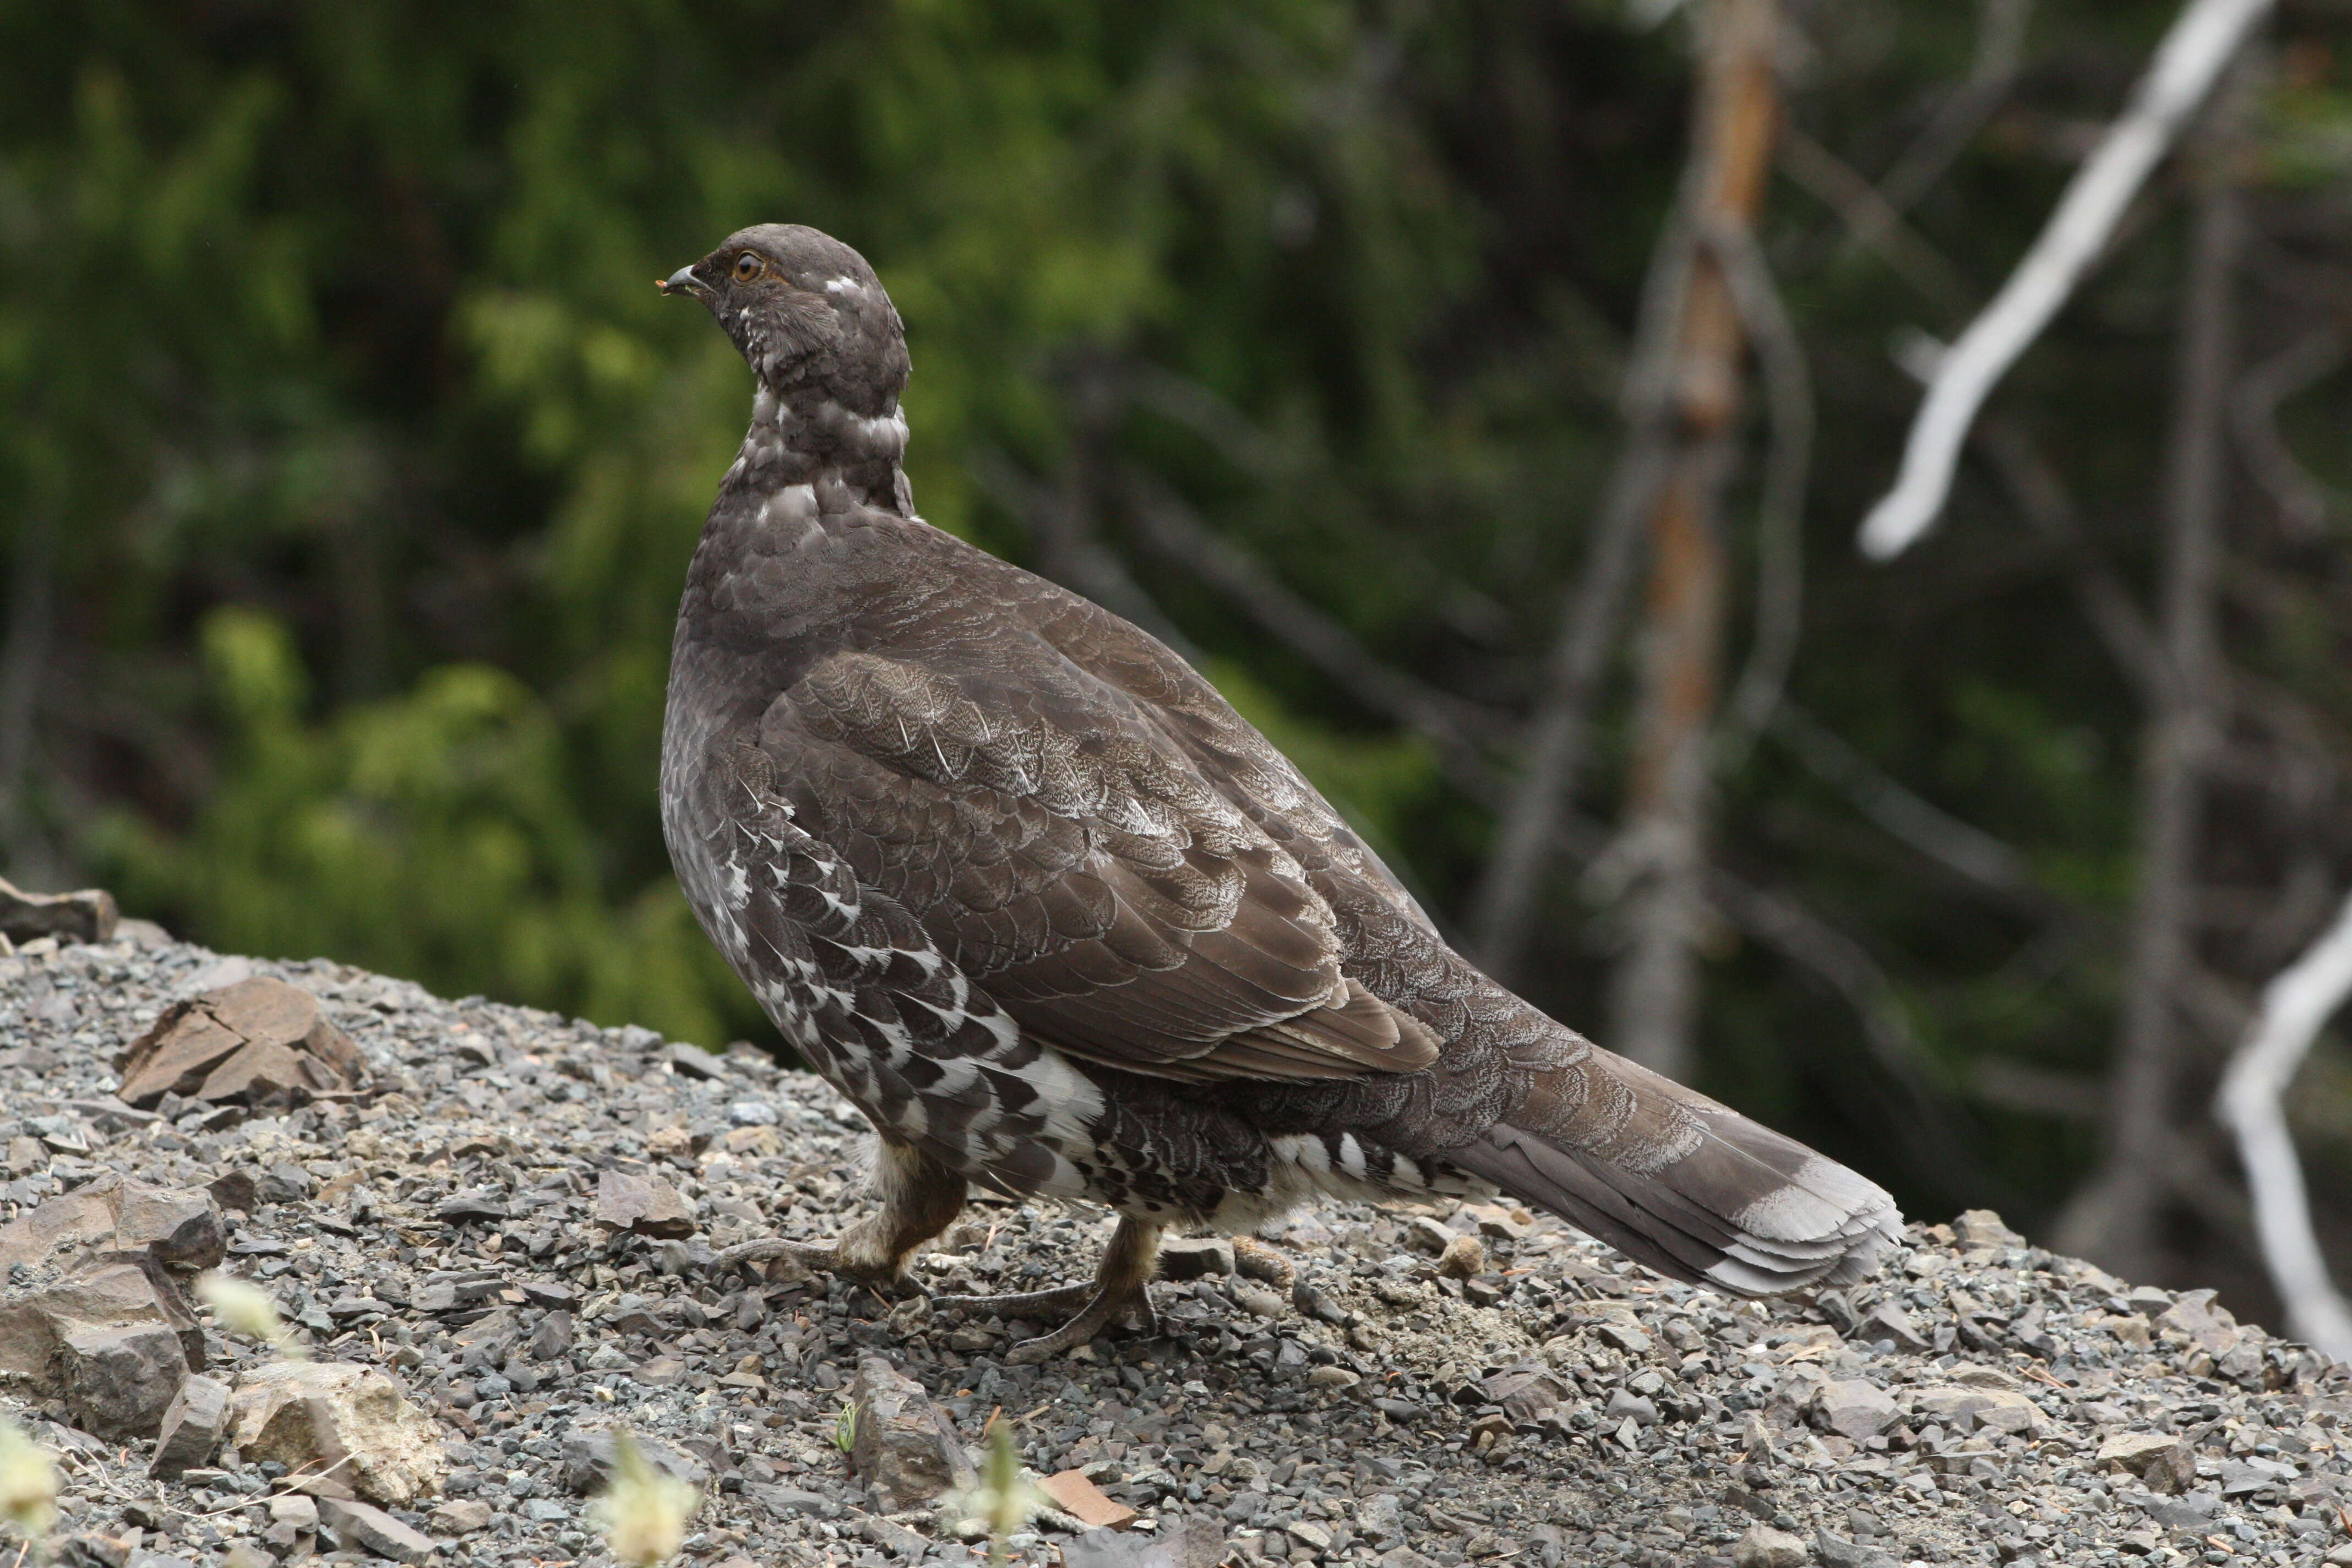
<point>1435,1386</point>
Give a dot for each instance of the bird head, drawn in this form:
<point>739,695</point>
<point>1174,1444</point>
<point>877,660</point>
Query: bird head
<point>807,313</point>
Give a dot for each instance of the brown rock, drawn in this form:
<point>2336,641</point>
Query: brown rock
<point>179,1227</point>
<point>87,916</point>
<point>1888,1321</point>
<point>588,1462</point>
<point>354,1418</point>
<point>1497,1222</point>
<point>1982,1228</point>
<point>110,1290</point>
<point>26,1346</point>
<point>756,1141</point>
<point>1764,1547</point>
<point>2195,1318</point>
<point>359,1528</point>
<point>1256,1259</point>
<point>258,1041</point>
<point>2161,1459</point>
<point>1465,1257</point>
<point>118,1381</point>
<point>176,1057</point>
<point>236,1188</point>
<point>1948,1406</point>
<point>660,1372</point>
<point>97,1549</point>
<point>2010,1412</point>
<point>1526,1392</point>
<point>906,1450</point>
<point>645,1205</point>
<point>1986,1377</point>
<point>461,1517</point>
<point>260,1071</point>
<point>1084,1501</point>
<point>1423,1234</point>
<point>1856,1409</point>
<point>192,1426</point>
<point>324,1484</point>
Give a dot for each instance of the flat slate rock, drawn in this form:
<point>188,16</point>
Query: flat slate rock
<point>645,1205</point>
<point>256,1041</point>
<point>88,916</point>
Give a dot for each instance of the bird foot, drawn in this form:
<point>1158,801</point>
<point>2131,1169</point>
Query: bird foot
<point>787,1262</point>
<point>1097,1305</point>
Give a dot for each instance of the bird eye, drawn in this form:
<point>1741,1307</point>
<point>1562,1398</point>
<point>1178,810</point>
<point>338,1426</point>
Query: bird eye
<point>747,266</point>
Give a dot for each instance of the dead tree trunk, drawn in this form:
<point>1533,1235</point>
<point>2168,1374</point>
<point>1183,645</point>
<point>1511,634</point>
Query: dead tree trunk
<point>1662,854</point>
<point>2112,1218</point>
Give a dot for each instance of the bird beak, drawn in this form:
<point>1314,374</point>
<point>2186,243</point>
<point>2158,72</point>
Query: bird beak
<point>684,281</point>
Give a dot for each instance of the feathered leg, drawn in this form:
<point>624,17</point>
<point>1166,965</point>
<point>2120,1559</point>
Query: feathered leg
<point>920,1199</point>
<point>1121,1289</point>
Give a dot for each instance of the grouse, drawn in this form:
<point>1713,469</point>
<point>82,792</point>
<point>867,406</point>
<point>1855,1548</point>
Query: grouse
<point>1023,887</point>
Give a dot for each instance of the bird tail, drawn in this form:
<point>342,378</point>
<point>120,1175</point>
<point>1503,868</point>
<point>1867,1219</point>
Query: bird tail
<point>1691,1188</point>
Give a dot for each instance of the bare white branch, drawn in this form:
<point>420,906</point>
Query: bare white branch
<point>2203,39</point>
<point>2296,1003</point>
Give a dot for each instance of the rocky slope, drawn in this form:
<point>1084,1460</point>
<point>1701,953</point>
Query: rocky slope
<point>501,1230</point>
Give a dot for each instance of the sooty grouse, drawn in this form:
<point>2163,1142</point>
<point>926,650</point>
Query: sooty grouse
<point>1023,887</point>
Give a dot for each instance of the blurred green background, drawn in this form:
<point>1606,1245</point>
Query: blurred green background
<point>351,465</point>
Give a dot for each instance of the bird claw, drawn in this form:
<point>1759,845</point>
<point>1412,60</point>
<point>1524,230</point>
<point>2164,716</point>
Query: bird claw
<point>1097,1308</point>
<point>1060,1298</point>
<point>813,1258</point>
<point>1104,1308</point>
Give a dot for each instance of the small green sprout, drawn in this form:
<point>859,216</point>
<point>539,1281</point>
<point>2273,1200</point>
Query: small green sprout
<point>29,1484</point>
<point>643,1509</point>
<point>244,1308</point>
<point>844,1429</point>
<point>1006,1500</point>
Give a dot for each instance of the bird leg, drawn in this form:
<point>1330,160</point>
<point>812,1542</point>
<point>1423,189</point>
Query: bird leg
<point>920,1199</point>
<point>1121,1289</point>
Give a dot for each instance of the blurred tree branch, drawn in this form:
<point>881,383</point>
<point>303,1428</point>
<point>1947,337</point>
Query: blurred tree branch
<point>1658,863</point>
<point>2304,503</point>
<point>1756,696</point>
<point>2000,42</point>
<point>1868,221</point>
<point>1926,827</point>
<point>1169,527</point>
<point>2204,38</point>
<point>1503,900</point>
<point>1063,521</point>
<point>2111,1218</point>
<point>2295,1005</point>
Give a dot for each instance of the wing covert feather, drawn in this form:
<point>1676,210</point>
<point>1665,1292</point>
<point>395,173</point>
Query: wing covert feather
<point>1077,861</point>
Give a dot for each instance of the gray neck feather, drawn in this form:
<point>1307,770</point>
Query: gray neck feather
<point>807,434</point>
